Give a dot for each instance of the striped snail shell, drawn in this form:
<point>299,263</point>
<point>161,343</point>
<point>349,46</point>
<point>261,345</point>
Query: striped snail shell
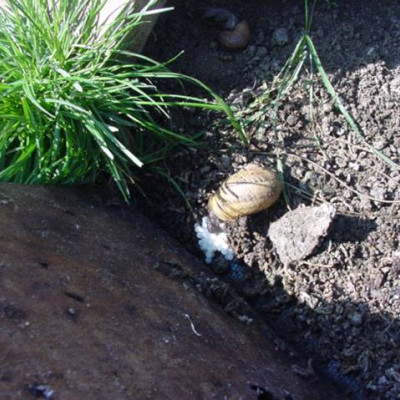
<point>249,191</point>
<point>236,39</point>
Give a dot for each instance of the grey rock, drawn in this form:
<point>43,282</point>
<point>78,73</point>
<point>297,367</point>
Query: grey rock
<point>356,319</point>
<point>261,52</point>
<point>225,162</point>
<point>280,37</point>
<point>298,233</point>
<point>291,120</point>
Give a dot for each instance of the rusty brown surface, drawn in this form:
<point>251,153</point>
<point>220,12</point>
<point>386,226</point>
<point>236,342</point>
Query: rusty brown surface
<point>85,313</point>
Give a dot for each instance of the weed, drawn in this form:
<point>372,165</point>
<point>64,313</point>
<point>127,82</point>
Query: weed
<point>304,53</point>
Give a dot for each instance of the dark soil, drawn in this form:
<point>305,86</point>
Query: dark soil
<point>342,304</point>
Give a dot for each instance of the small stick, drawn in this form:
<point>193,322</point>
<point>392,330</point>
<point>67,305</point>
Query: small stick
<point>192,325</point>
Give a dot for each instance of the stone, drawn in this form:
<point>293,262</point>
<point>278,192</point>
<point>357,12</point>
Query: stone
<point>280,37</point>
<point>298,233</point>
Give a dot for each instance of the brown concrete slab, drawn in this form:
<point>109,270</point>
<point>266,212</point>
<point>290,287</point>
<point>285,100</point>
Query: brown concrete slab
<point>96,303</point>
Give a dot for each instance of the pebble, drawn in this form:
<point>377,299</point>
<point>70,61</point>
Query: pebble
<point>291,120</point>
<point>252,50</point>
<point>378,193</point>
<point>261,52</point>
<point>327,108</point>
<point>280,37</point>
<point>225,161</point>
<point>341,162</point>
<point>356,319</point>
<point>354,165</point>
<point>298,233</point>
<point>205,169</point>
<point>382,380</point>
<point>379,144</point>
<point>226,57</point>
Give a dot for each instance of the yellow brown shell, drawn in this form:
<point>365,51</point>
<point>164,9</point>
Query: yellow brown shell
<point>249,191</point>
<point>237,38</point>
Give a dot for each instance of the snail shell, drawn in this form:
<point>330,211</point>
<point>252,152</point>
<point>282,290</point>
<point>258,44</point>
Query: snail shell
<point>236,39</point>
<point>249,191</point>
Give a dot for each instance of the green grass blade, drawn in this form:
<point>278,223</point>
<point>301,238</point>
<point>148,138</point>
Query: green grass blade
<point>340,105</point>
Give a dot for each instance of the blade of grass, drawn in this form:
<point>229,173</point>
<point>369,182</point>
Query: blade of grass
<point>70,91</point>
<point>340,105</point>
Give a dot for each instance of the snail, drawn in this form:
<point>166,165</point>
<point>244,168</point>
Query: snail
<point>236,39</point>
<point>249,191</point>
<point>236,31</point>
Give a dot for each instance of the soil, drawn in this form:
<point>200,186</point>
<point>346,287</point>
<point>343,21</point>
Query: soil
<point>341,305</point>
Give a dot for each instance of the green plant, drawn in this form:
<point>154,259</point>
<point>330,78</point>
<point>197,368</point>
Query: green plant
<point>74,102</point>
<point>305,54</point>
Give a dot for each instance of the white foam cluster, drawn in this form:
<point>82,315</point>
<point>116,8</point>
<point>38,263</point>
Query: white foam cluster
<point>212,242</point>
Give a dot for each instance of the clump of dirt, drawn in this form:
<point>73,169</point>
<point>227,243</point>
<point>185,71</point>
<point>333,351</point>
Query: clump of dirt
<point>342,304</point>
<point>298,233</point>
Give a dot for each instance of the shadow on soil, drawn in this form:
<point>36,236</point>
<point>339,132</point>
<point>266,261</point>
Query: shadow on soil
<point>347,37</point>
<point>292,319</point>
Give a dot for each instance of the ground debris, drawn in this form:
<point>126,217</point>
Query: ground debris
<point>342,304</point>
<point>297,234</point>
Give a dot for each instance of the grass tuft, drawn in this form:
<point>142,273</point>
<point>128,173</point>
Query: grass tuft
<point>74,102</point>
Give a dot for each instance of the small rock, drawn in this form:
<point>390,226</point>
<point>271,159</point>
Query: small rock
<point>291,120</point>
<point>40,391</point>
<point>379,144</point>
<point>225,162</point>
<point>261,52</point>
<point>280,37</point>
<point>340,162</point>
<point>327,108</point>
<point>251,50</point>
<point>320,32</point>
<point>206,169</point>
<point>382,380</point>
<point>354,165</point>
<point>298,233</point>
<point>225,57</point>
<point>356,319</point>
<point>393,373</point>
<point>379,193</point>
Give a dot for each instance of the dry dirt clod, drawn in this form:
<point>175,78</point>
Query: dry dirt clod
<point>298,233</point>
